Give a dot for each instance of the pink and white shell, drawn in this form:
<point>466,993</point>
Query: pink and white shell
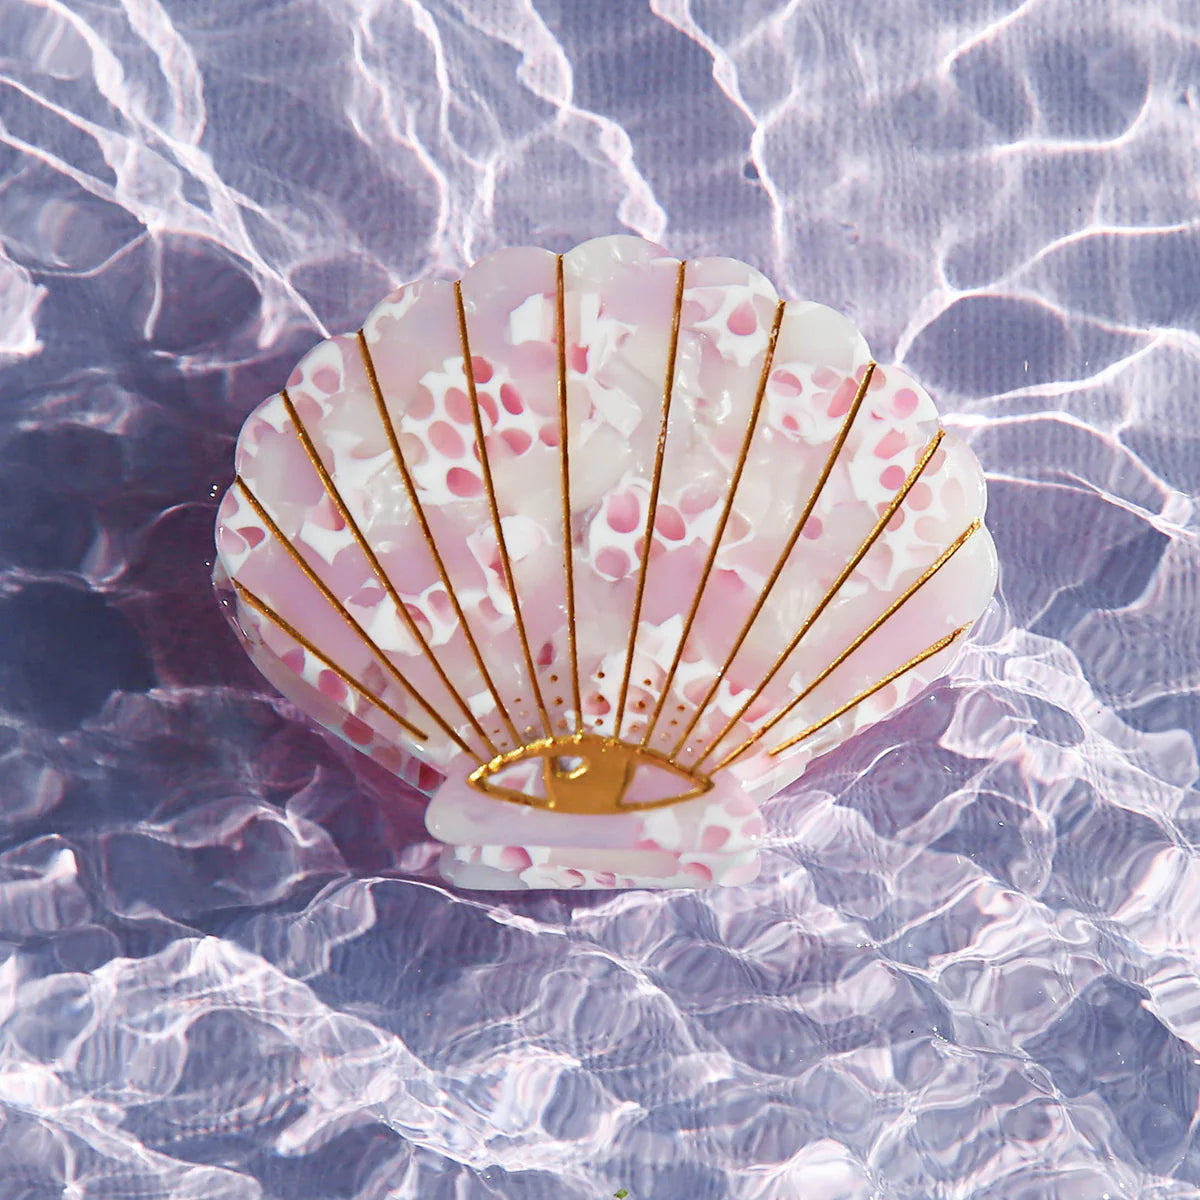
<point>772,544</point>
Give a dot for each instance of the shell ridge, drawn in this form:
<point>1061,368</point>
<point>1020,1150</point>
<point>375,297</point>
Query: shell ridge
<point>655,485</point>
<point>265,610</point>
<point>439,563</point>
<point>898,603</point>
<point>329,596</point>
<point>847,570</point>
<point>490,489</point>
<point>781,561</point>
<point>936,648</point>
<point>722,521</point>
<point>335,496</point>
<point>560,317</point>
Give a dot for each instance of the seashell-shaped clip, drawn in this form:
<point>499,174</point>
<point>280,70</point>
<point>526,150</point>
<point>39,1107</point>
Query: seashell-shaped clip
<point>600,549</point>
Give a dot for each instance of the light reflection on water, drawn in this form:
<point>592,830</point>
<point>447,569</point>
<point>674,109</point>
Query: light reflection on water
<point>970,967</point>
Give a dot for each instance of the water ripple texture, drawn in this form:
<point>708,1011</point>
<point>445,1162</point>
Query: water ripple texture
<point>971,967</point>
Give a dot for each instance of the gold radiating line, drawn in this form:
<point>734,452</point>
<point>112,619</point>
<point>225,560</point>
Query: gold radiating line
<point>342,674</point>
<point>781,562</point>
<point>565,460</point>
<point>736,479</point>
<point>656,482</point>
<point>505,563</point>
<point>929,652</point>
<point>880,620</point>
<point>346,616</point>
<point>411,489</point>
<point>335,497</point>
<point>888,513</point>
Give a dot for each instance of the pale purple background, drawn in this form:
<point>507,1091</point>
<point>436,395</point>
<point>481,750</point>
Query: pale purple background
<point>972,965</point>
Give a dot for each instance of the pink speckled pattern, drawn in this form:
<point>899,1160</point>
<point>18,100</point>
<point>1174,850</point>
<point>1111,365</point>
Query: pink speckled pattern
<point>399,633</point>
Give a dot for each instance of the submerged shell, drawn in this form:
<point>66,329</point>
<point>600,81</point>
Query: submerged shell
<point>772,544</point>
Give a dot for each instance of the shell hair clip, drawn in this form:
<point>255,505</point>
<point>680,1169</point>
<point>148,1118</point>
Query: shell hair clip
<point>600,549</point>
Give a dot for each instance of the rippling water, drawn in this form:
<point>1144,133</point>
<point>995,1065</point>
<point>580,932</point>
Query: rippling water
<point>971,967</point>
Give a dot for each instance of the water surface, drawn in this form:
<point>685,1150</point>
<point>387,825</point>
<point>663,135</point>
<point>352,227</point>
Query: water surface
<point>970,968</point>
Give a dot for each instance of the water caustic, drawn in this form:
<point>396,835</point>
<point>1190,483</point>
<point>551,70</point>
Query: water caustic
<point>968,967</point>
